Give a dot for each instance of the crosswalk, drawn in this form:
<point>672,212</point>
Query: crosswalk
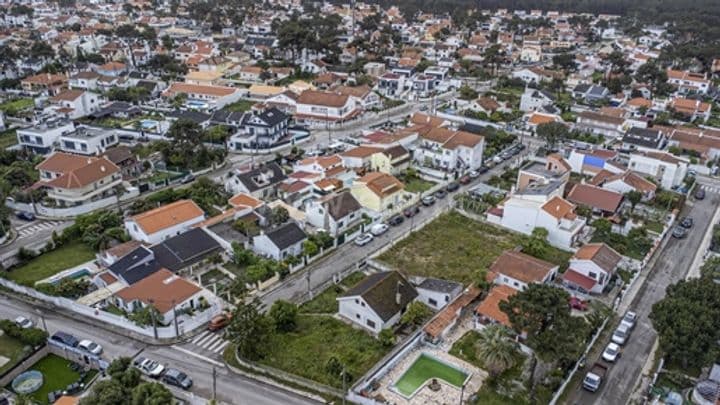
<point>210,341</point>
<point>710,189</point>
<point>27,230</point>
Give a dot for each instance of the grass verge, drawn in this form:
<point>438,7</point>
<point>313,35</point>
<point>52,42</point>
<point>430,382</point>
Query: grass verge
<point>51,263</point>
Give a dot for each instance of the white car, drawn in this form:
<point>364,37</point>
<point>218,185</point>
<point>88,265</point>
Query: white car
<point>90,347</point>
<point>379,229</point>
<point>150,368</point>
<point>23,322</point>
<point>363,239</point>
<point>621,334</point>
<point>629,319</point>
<point>611,353</point>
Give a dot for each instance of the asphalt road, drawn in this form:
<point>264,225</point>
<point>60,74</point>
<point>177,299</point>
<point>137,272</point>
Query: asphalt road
<point>670,267</point>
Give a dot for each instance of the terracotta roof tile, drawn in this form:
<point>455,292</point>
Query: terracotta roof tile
<point>595,197</point>
<point>168,215</point>
<point>521,267</point>
<point>162,287</point>
<point>490,306</point>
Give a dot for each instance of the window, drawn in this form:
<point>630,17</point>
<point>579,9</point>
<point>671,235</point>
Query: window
<point>447,298</point>
<point>357,301</point>
<point>432,302</point>
<point>357,316</point>
<point>592,275</point>
<point>362,304</point>
<point>370,323</point>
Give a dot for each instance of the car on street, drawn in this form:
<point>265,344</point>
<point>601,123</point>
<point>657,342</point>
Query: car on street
<point>411,211</point>
<point>578,304</point>
<point>177,378</point>
<point>497,159</point>
<point>219,321</point>
<point>686,222</point>
<point>23,323</point>
<point>621,334</point>
<point>396,220</point>
<point>428,200</point>
<point>679,232</point>
<point>25,216</point>
<point>594,377</point>
<point>700,194</point>
<point>65,339</point>
<point>506,155</point>
<point>464,180</point>
<point>188,179</point>
<point>611,353</point>
<point>150,368</point>
<point>90,347</point>
<point>483,169</point>
<point>474,174</point>
<point>629,319</point>
<point>452,187</point>
<point>379,229</point>
<point>440,194</point>
<point>364,239</point>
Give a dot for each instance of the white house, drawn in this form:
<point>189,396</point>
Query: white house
<point>41,138</point>
<point>281,242</point>
<point>448,150</point>
<point>687,81</point>
<point>436,293</point>
<point>593,161</point>
<point>377,302</point>
<point>667,169</point>
<point>536,100</point>
<point>624,183</point>
<point>315,107</point>
<point>204,97</point>
<point>161,223</point>
<point>88,140</point>
<point>517,270</point>
<point>334,213</point>
<point>591,268</point>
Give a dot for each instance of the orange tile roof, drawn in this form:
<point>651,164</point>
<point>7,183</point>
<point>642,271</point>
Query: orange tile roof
<point>94,170</point>
<point>68,95</point>
<point>490,306</point>
<point>449,313</point>
<point>521,267</point>
<point>537,119</point>
<point>163,287</point>
<point>324,98</point>
<point>61,162</point>
<point>559,208</point>
<point>382,184</point>
<point>244,200</point>
<point>361,152</point>
<point>596,197</point>
<point>168,215</point>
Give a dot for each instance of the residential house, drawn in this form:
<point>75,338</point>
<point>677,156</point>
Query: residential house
<point>705,142</point>
<point>625,182</point>
<point>591,93</point>
<point>260,129</point>
<point>334,213</point>
<point>378,191</point>
<point>488,311</point>
<point>42,138</point>
<point>260,182</point>
<point>688,82</point>
<point>88,140</point>
<point>601,124</point>
<point>448,150</point>
<point>591,268</point>
<point>204,97</point>
<point>644,139</point>
<point>319,107</point>
<point>517,270</point>
<point>44,84</point>
<point>692,109</point>
<point>281,242</point>
<point>536,100</point>
<point>85,80</point>
<point>112,69</point>
<point>603,202</point>
<point>378,301</point>
<point>163,222</point>
<point>359,157</point>
<point>668,170</point>
<point>363,96</point>
<point>123,157</point>
<point>436,293</point>
<point>393,160</point>
<point>593,161</point>
<point>391,85</point>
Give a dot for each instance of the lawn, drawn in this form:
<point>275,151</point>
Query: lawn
<point>425,368</point>
<point>15,106</point>
<point>12,349</point>
<point>48,264</point>
<point>7,138</point>
<point>453,247</point>
<point>239,106</point>
<point>417,185</point>
<point>306,350</point>
<point>325,302</point>
<point>56,376</point>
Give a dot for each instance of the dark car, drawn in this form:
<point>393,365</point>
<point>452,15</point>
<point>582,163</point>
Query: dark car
<point>483,169</point>
<point>454,186</point>
<point>700,194</point>
<point>65,339</point>
<point>440,194</point>
<point>679,232</point>
<point>25,216</point>
<point>177,378</point>
<point>686,223</point>
<point>396,220</point>
<point>411,211</point>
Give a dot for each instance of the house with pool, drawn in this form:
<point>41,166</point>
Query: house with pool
<point>204,97</point>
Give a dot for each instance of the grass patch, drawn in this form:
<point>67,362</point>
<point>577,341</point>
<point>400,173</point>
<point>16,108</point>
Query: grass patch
<point>417,185</point>
<point>48,264</point>
<point>239,106</point>
<point>57,375</point>
<point>326,303</point>
<point>113,309</point>
<point>425,368</point>
<point>352,279</point>
<point>8,138</point>
<point>452,247</point>
<point>12,349</point>
<point>13,107</point>
<point>306,351</point>
<point>654,226</point>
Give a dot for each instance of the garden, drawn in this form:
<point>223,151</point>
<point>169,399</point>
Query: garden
<point>326,303</point>
<point>413,183</point>
<point>50,263</point>
<point>12,350</point>
<point>57,375</point>
<point>453,247</point>
<point>13,107</point>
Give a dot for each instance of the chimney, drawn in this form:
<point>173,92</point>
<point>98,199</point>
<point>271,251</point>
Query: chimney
<point>398,296</point>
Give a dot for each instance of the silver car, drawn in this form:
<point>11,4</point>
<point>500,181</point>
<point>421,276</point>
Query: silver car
<point>621,335</point>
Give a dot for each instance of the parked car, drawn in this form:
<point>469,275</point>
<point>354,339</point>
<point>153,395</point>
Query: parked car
<point>188,179</point>
<point>452,187</point>
<point>700,194</point>
<point>611,353</point>
<point>177,378</point>
<point>483,169</point>
<point>364,239</point>
<point>25,216</point>
<point>679,232</point>
<point>621,334</point>
<point>474,174</point>
<point>23,322</point>
<point>686,223</point>
<point>497,159</point>
<point>594,377</point>
<point>506,155</point>
<point>150,368</point>
<point>629,319</point>
<point>411,211</point>
<point>440,194</point>
<point>396,220</point>
<point>379,229</point>
<point>65,338</point>
<point>219,321</point>
<point>578,304</point>
<point>464,180</point>
<point>428,200</point>
<point>90,347</point>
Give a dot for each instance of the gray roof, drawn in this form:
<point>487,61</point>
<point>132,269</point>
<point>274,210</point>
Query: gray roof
<point>262,177</point>
<point>644,137</point>
<point>386,293</point>
<point>185,249</point>
<point>135,265</point>
<point>286,235</point>
<point>341,205</point>
<point>442,286</point>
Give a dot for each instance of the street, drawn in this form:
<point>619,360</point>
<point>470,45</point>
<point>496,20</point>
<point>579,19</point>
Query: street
<point>670,266</point>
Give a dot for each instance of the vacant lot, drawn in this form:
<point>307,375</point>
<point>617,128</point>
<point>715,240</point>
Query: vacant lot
<point>326,303</point>
<point>453,247</point>
<point>51,263</point>
<point>11,351</point>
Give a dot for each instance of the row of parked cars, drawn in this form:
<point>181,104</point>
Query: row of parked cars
<point>85,345</point>
<point>170,376</point>
<point>594,378</point>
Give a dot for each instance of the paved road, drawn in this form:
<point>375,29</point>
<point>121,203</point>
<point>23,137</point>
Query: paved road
<point>671,266</point>
<point>231,388</point>
<point>31,235</point>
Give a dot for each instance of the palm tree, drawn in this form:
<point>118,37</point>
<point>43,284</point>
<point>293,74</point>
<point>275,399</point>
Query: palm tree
<point>495,349</point>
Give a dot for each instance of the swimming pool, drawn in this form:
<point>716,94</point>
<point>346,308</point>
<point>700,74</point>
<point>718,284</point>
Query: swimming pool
<point>424,369</point>
<point>147,124</point>
<point>74,275</point>
<point>196,104</point>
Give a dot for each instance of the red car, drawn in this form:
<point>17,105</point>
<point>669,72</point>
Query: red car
<point>578,304</point>
<point>464,180</point>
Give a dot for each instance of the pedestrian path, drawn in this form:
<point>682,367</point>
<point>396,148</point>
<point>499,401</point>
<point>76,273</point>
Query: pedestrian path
<point>27,230</point>
<point>208,341</point>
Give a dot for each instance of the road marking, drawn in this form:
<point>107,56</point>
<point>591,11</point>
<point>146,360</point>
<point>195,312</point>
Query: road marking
<point>222,347</point>
<point>216,345</point>
<point>205,339</point>
<point>200,336</point>
<point>210,342</point>
<point>201,357</point>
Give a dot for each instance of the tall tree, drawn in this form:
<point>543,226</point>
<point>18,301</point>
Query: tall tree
<point>496,349</point>
<point>552,133</point>
<point>249,329</point>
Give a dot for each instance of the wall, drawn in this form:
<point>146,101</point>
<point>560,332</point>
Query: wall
<point>70,212</point>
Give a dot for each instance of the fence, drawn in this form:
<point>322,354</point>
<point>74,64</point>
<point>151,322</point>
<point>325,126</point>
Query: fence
<point>68,212</point>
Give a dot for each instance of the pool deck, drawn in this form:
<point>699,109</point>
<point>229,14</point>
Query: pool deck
<point>90,266</point>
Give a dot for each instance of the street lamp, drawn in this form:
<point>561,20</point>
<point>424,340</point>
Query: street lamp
<point>42,319</point>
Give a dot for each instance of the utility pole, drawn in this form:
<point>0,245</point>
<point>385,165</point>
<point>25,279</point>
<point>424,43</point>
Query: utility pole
<point>152,316</point>
<point>344,389</point>
<point>42,319</point>
<point>462,394</point>
<point>214,383</point>
<point>307,277</point>
<point>177,331</point>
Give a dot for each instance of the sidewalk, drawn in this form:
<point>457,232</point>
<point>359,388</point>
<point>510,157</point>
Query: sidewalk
<point>700,255</point>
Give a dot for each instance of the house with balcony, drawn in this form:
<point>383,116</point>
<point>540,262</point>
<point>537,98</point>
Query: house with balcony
<point>391,85</point>
<point>73,180</point>
<point>668,170</point>
<point>517,270</point>
<point>260,129</point>
<point>334,213</point>
<point>601,124</point>
<point>88,140</point>
<point>688,82</point>
<point>42,138</point>
<point>320,107</point>
<point>44,84</point>
<point>260,182</point>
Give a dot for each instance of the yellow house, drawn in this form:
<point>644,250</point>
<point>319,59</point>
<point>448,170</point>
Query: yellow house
<point>393,160</point>
<point>378,191</point>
